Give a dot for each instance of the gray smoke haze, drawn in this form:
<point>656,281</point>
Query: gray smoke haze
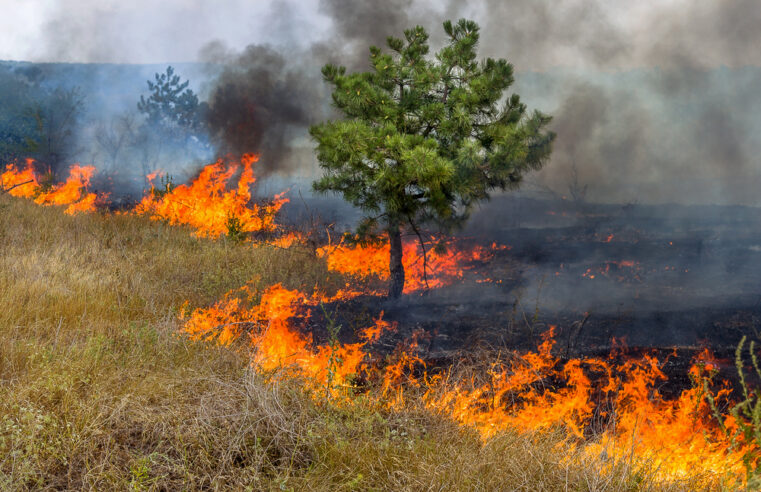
<point>644,110</point>
<point>653,101</point>
<point>682,130</point>
<point>538,35</point>
<point>265,96</point>
<point>632,136</point>
<point>260,102</point>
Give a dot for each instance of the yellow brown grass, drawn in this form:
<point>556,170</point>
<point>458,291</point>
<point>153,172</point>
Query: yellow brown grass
<point>99,392</point>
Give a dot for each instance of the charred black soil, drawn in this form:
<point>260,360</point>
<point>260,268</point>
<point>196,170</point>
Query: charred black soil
<point>666,280</point>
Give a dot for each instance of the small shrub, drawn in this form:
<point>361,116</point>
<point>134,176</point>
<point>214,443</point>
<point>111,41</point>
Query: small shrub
<point>167,185</point>
<point>235,230</point>
<point>746,431</point>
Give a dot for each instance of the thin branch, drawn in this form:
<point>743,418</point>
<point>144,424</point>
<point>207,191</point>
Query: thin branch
<point>6,190</point>
<point>425,256</point>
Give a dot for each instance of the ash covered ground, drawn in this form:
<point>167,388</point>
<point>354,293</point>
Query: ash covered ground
<point>664,279</point>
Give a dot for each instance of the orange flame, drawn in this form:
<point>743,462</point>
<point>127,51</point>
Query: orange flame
<point>73,192</point>
<point>439,269</point>
<point>21,183</point>
<point>272,328</point>
<point>208,206</point>
<point>530,392</point>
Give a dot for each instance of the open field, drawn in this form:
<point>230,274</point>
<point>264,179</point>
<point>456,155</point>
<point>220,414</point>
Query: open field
<point>100,391</point>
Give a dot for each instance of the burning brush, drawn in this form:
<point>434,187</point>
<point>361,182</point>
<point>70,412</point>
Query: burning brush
<point>73,193</point>
<point>608,407</point>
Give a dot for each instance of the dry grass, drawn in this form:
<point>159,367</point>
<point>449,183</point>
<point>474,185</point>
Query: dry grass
<point>98,392</point>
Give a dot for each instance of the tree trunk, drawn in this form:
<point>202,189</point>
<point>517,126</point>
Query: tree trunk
<point>395,265</point>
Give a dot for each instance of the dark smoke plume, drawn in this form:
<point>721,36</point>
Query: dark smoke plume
<point>358,25</point>
<point>266,96</point>
<point>259,101</point>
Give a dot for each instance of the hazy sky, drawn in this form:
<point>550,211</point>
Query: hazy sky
<point>680,131</point>
<point>141,31</point>
<point>536,34</point>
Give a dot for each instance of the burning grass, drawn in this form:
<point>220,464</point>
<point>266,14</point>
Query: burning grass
<point>606,409</point>
<point>208,207</point>
<point>72,193</point>
<point>101,392</point>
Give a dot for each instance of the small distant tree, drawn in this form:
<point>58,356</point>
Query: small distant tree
<point>114,136</point>
<point>171,105</point>
<point>425,138</point>
<point>175,123</point>
<point>57,117</point>
<point>37,122</point>
<point>19,131</point>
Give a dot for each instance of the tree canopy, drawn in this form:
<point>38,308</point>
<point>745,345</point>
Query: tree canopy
<point>171,105</point>
<point>174,126</point>
<point>37,121</point>
<point>424,138</point>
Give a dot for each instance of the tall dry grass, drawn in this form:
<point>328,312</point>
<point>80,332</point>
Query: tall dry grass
<point>99,392</point>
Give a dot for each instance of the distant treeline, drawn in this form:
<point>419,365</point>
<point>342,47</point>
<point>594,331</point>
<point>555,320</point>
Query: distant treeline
<point>59,114</point>
<point>36,120</point>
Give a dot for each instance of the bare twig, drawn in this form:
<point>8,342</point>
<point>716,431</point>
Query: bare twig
<point>580,325</point>
<point>3,189</point>
<point>425,256</point>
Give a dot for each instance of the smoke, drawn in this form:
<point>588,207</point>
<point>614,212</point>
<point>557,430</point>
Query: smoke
<point>642,108</point>
<point>637,136</point>
<point>266,96</point>
<point>652,101</point>
<point>358,25</point>
<point>604,35</point>
<point>259,103</point>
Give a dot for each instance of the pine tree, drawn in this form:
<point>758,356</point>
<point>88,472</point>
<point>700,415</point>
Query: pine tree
<point>425,138</point>
<point>171,105</point>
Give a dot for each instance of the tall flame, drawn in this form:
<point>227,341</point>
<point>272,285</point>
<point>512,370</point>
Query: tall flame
<point>531,392</point>
<point>208,206</point>
<point>73,192</point>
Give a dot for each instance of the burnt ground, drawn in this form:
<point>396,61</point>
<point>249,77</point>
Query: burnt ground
<point>666,279</point>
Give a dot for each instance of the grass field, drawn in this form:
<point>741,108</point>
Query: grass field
<point>100,391</point>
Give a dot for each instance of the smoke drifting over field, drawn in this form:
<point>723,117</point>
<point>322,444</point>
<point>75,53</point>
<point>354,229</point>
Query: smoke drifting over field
<point>260,102</point>
<point>642,109</point>
<point>652,102</point>
<point>266,96</point>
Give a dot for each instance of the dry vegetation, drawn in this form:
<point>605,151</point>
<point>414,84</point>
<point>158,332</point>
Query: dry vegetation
<point>99,392</point>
